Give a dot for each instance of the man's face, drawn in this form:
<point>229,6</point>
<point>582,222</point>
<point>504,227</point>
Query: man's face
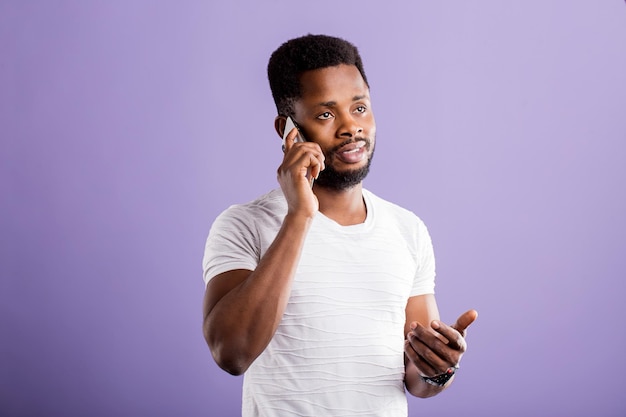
<point>335,112</point>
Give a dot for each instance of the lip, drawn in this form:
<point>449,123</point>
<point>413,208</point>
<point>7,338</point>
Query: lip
<point>352,153</point>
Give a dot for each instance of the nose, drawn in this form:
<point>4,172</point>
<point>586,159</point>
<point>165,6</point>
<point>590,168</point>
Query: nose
<point>350,127</point>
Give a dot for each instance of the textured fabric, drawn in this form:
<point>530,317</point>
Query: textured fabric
<point>338,350</point>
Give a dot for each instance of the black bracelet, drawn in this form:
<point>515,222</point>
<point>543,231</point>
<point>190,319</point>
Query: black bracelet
<point>441,379</point>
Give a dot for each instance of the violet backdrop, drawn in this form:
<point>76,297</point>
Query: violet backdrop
<point>127,126</point>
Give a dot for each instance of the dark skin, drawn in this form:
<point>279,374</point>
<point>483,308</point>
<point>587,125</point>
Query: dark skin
<point>242,308</point>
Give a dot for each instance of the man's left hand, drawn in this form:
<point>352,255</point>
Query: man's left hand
<point>438,347</point>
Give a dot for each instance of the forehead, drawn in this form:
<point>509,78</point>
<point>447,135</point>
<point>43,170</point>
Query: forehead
<point>332,83</point>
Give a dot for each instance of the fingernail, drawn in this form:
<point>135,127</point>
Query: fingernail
<point>435,324</point>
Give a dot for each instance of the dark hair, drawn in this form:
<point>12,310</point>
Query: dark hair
<point>302,54</point>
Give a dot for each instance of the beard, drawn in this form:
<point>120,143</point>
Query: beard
<point>336,180</point>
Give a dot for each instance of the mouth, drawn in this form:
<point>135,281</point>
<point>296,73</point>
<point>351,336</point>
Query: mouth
<point>353,152</point>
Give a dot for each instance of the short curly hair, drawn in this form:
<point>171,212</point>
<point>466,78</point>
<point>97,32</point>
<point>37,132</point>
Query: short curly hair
<point>302,54</point>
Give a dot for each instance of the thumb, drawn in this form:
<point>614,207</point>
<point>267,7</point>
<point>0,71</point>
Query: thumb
<point>464,320</point>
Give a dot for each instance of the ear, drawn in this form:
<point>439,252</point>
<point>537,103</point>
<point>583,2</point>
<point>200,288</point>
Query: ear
<point>279,125</point>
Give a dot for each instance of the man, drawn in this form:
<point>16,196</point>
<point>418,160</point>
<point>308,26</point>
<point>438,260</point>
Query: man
<point>321,292</point>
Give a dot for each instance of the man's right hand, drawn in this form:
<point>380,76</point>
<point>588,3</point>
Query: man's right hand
<point>302,163</point>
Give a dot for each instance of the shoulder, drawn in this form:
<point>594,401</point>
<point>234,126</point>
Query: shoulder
<point>271,205</point>
<point>240,233</point>
<point>387,210</point>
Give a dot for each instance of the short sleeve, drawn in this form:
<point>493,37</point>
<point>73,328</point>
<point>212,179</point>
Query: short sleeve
<point>424,281</point>
<point>232,244</point>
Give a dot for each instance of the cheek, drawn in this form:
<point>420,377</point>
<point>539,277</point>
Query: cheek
<point>370,124</point>
<point>323,136</point>
<point>371,132</point>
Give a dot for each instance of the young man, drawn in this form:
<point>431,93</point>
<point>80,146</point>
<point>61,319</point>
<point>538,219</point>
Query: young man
<point>321,292</point>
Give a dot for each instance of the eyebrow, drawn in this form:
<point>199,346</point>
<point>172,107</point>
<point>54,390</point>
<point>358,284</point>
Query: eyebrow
<point>334,103</point>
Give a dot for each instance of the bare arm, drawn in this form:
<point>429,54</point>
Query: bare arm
<point>420,309</point>
<point>242,308</point>
<point>431,347</point>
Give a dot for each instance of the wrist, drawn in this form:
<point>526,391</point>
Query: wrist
<point>299,219</point>
<point>442,379</point>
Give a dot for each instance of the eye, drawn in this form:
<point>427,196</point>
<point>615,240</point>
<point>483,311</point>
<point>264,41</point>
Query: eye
<point>325,116</point>
<point>361,109</point>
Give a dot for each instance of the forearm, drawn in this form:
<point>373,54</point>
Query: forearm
<point>242,323</point>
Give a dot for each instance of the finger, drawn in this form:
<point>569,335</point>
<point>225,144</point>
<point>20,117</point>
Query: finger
<point>464,321</point>
<point>304,161</point>
<point>454,339</point>
<point>432,350</point>
<point>428,335</point>
<point>423,366</point>
<point>302,153</point>
<point>317,164</point>
<point>290,139</point>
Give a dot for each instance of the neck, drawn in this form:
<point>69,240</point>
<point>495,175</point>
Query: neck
<point>346,207</point>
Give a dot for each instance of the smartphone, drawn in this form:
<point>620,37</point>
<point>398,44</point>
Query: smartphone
<point>289,125</point>
<point>288,128</point>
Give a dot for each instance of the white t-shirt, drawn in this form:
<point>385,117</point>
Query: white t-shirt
<point>338,350</point>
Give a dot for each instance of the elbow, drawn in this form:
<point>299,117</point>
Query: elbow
<point>227,356</point>
<point>231,364</point>
<point>230,359</point>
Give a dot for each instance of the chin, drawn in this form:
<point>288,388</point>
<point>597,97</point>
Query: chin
<point>333,179</point>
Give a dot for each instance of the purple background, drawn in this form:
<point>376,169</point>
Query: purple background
<point>126,127</point>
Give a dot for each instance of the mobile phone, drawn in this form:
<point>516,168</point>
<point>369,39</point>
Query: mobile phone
<point>289,125</point>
